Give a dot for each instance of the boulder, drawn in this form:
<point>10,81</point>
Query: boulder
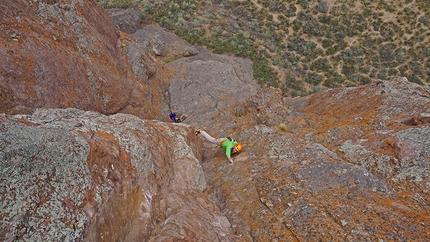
<point>127,20</point>
<point>164,44</point>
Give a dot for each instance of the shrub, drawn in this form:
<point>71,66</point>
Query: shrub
<point>276,6</point>
<point>312,29</point>
<point>331,83</point>
<point>316,89</point>
<point>275,60</point>
<point>298,93</point>
<point>301,46</point>
<point>104,3</point>
<point>262,70</point>
<point>356,51</point>
<point>426,51</point>
<point>364,69</point>
<point>283,127</point>
<point>423,20</point>
<point>312,78</point>
<point>291,11</point>
<point>382,74</point>
<point>403,70</point>
<point>321,65</point>
<point>323,7</point>
<point>360,79</point>
<point>291,83</point>
<point>348,69</point>
<point>327,43</point>
<point>392,72</point>
<point>339,35</point>
<point>117,3</point>
<point>413,78</point>
<point>297,25</point>
<point>347,56</point>
<point>303,3</point>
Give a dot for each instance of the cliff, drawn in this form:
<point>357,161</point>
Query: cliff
<point>342,164</point>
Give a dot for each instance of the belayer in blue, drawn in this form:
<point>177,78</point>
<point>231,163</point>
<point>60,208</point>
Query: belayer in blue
<point>228,144</point>
<point>173,118</point>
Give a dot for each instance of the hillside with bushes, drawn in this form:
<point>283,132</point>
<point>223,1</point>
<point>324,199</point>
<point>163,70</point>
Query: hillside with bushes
<point>303,46</point>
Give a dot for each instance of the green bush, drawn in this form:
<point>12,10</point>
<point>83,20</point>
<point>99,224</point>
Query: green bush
<point>303,3</point>
<point>312,78</point>
<point>327,43</point>
<point>321,65</point>
<point>323,7</point>
<point>263,73</point>
<point>360,79</point>
<point>291,11</point>
<point>116,3</point>
<point>392,72</point>
<point>415,79</point>
<point>383,74</point>
<point>291,83</point>
<point>348,69</point>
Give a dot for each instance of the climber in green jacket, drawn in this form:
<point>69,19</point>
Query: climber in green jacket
<point>228,144</point>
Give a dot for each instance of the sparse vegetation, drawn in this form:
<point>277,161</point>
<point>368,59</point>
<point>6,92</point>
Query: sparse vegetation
<point>118,3</point>
<point>301,46</point>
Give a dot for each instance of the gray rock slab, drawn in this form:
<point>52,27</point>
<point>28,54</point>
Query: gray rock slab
<point>163,43</point>
<point>126,20</point>
<point>205,85</point>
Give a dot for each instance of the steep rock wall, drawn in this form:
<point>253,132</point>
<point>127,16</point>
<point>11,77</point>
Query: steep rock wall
<point>60,54</point>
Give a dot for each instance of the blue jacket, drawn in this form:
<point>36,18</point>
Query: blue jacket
<point>173,117</point>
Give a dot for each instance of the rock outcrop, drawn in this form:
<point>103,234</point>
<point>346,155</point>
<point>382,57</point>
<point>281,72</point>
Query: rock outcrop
<point>74,175</point>
<point>70,175</point>
<point>126,20</point>
<point>69,54</point>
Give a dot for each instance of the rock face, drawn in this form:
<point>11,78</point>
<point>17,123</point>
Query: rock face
<point>329,174</point>
<point>206,85</point>
<point>347,164</point>
<point>69,54</point>
<point>70,175</point>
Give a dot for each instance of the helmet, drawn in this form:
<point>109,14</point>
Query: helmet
<point>238,147</point>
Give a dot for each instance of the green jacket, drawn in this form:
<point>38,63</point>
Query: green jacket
<point>227,145</point>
